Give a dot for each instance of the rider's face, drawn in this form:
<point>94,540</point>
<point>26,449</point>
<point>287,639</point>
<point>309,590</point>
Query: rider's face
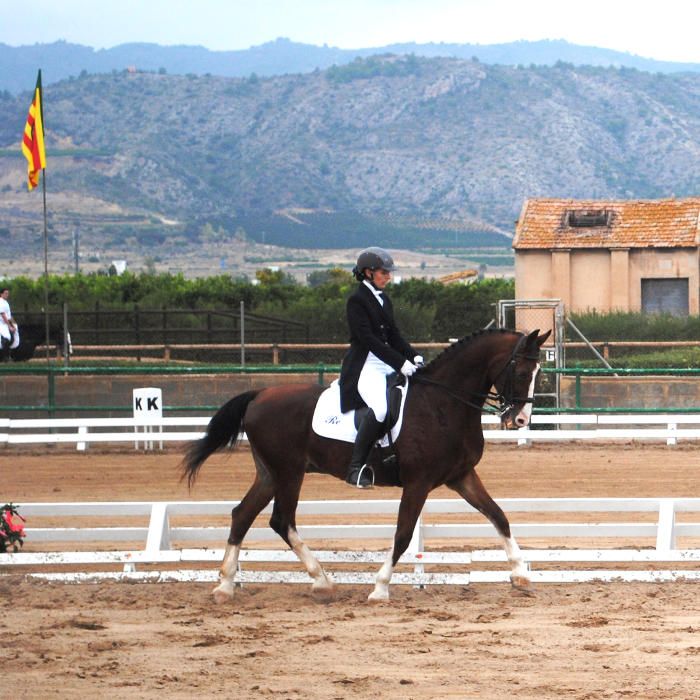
<point>381,278</point>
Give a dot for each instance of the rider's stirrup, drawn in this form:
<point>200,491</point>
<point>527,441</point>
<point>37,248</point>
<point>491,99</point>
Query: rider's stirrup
<point>364,479</point>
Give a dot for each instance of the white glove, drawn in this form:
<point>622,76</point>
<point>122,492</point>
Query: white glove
<point>408,368</point>
<point>418,361</point>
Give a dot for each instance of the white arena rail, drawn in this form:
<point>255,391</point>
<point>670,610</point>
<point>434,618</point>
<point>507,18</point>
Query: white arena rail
<point>669,428</point>
<point>643,546</point>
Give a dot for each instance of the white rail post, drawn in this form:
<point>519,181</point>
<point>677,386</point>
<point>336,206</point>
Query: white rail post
<point>666,532</point>
<point>523,440</point>
<point>158,529</point>
<point>82,446</point>
<point>672,427</point>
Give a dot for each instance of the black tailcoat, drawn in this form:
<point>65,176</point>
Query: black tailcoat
<point>372,329</point>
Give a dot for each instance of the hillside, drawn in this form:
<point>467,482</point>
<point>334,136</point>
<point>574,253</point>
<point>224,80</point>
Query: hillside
<point>413,152</point>
<point>61,60</point>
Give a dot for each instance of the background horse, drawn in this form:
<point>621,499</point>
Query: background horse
<point>441,442</point>
<point>30,336</point>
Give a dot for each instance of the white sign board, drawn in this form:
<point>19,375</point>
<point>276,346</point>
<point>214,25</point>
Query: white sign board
<point>550,355</point>
<point>148,405</point>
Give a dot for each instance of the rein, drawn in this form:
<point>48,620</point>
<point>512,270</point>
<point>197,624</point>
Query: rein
<point>498,404</point>
<point>488,407</point>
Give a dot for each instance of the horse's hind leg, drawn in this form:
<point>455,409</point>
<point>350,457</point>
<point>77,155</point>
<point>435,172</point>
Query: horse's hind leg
<point>412,501</point>
<point>473,491</point>
<point>242,517</point>
<point>283,522</point>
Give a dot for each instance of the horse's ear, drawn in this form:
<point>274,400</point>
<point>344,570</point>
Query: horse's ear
<point>534,339</point>
<point>542,338</point>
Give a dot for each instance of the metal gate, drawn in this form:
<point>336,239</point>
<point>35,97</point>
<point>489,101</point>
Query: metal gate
<point>545,314</point>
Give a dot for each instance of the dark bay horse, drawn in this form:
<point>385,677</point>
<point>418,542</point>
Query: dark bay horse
<point>30,336</point>
<point>441,442</point>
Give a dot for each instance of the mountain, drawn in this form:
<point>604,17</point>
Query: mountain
<point>413,152</point>
<point>61,60</point>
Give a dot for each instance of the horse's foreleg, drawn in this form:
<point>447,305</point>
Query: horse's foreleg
<point>283,522</point>
<point>323,583</point>
<point>473,491</point>
<point>242,517</point>
<point>412,501</point>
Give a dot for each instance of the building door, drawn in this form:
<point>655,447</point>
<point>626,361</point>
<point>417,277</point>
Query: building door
<point>665,296</point>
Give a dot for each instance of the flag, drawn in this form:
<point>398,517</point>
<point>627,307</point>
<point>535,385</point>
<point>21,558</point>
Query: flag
<point>33,139</point>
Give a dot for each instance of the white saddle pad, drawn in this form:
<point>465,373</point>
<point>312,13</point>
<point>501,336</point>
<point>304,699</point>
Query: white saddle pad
<point>329,422</point>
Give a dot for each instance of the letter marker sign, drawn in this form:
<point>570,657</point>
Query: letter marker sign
<point>148,411</point>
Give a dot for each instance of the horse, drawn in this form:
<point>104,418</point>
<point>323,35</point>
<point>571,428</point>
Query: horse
<point>441,442</point>
<point>30,336</point>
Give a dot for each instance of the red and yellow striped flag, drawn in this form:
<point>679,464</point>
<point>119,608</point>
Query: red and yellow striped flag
<point>33,139</point>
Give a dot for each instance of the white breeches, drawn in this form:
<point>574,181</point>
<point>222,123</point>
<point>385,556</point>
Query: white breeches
<point>371,385</point>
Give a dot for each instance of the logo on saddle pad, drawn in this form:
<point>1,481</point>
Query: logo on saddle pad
<point>329,422</point>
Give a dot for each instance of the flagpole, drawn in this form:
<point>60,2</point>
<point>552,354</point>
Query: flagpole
<point>33,150</point>
<point>46,271</point>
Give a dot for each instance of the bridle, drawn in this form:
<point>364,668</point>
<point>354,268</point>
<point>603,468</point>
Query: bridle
<point>500,403</point>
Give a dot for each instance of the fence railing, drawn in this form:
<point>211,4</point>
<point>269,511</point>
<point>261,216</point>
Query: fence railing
<point>164,536</point>
<point>106,327</point>
<point>668,428</point>
<point>319,371</point>
<point>271,344</point>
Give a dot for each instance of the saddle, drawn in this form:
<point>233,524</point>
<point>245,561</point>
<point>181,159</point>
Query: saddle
<point>328,421</point>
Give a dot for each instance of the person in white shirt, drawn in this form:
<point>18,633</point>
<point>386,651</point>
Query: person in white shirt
<point>7,324</point>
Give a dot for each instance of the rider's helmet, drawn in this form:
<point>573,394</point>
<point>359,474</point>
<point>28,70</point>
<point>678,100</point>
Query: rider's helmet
<point>373,258</point>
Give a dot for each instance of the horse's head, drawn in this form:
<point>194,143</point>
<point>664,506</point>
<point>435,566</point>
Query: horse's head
<point>515,380</point>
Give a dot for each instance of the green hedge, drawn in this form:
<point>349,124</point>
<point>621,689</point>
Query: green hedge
<point>426,310</point>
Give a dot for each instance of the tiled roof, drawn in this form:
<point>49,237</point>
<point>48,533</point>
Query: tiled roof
<point>661,223</point>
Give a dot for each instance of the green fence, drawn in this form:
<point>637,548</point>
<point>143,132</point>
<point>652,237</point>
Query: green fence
<point>54,370</point>
<point>319,371</point>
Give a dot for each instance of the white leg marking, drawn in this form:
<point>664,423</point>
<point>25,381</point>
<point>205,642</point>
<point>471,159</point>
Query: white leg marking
<point>381,584</point>
<point>519,573</point>
<point>224,591</point>
<point>322,581</point>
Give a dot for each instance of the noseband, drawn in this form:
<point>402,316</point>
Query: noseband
<point>500,403</point>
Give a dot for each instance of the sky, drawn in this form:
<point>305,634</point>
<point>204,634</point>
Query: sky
<point>660,29</point>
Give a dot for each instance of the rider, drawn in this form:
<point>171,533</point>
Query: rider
<point>376,350</point>
<point>7,324</point>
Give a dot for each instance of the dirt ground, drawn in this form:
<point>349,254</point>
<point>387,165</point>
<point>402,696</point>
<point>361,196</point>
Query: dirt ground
<point>479,641</point>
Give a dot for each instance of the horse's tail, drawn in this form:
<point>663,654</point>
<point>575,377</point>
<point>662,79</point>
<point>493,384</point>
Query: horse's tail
<point>223,428</point>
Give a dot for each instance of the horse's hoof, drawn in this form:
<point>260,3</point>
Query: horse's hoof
<point>378,596</point>
<point>222,594</point>
<point>323,589</point>
<point>522,584</point>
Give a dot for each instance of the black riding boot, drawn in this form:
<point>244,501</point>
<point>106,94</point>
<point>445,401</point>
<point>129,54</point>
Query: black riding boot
<point>360,474</point>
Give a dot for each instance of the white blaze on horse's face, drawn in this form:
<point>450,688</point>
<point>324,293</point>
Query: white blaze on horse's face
<point>523,417</point>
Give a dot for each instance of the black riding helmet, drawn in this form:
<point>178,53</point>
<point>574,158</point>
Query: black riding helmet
<point>373,258</point>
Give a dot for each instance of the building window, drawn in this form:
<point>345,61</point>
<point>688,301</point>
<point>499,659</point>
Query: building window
<point>668,296</point>
<point>588,218</point>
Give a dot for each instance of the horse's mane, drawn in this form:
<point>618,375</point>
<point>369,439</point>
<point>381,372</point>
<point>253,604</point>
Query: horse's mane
<point>449,351</point>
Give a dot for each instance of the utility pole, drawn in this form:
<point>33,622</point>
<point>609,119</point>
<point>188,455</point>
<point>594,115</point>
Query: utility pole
<point>76,248</point>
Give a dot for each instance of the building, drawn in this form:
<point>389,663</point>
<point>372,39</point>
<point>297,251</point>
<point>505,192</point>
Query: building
<point>635,255</point>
